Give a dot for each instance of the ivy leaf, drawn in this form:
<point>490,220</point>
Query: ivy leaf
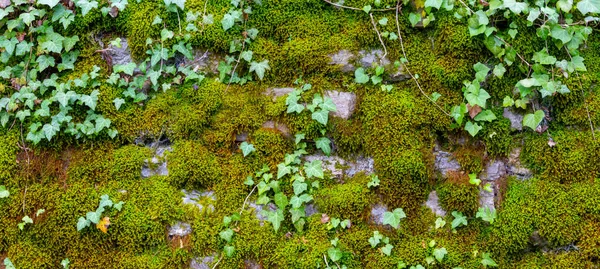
<point>474,180</point>
<point>229,250</point>
<point>90,100</point>
<point>86,6</point>
<point>227,22</point>
<point>246,55</point>
<point>472,128</point>
<point>281,200</point>
<point>486,115</point>
<point>439,223</point>
<point>226,235</point>
<point>439,254</point>
<point>487,260</point>
<point>314,169</point>
<point>414,18</point>
<point>8,263</point>
<point>499,70</point>
<point>383,21</point>
<point>588,6</point>
<point>459,219</point>
<point>434,3</point>
<point>481,71</point>
<point>486,214</point>
<point>577,63</point>
<point>360,76</point>
<point>367,9</point>
<point>52,46</point>
<point>50,130</point>
<point>118,102</point>
<point>45,61</point>
<point>283,170</point>
<point>533,120</point>
<point>125,68</point>
<point>179,3</point>
<point>323,143</point>
<point>561,34</point>
<point>393,218</point>
<point>542,57</point>
<point>276,218</point>
<point>564,5</point>
<point>387,249</point>
<point>299,187</point>
<point>82,223</point>
<point>4,192</point>
<point>208,19</point>
<point>50,3</point>
<point>247,148</point>
<point>514,6</point>
<point>329,105</point>
<point>259,68</point>
<point>335,254</point>
<point>321,116</point>
<point>69,42</point>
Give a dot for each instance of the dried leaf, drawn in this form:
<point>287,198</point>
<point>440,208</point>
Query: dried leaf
<point>473,110</point>
<point>324,218</point>
<point>103,224</point>
<point>551,142</point>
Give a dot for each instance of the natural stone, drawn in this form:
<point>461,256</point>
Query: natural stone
<point>515,168</point>
<point>433,204</point>
<point>278,126</point>
<point>122,55</point>
<point>277,92</point>
<point>516,119</point>
<point>205,262</point>
<point>340,167</point>
<point>241,137</point>
<point>372,58</point>
<point>494,170</point>
<point>260,211</point>
<point>486,199</point>
<point>204,61</point>
<point>345,103</point>
<point>158,164</point>
<point>343,58</point>
<point>180,229</point>
<point>444,162</point>
<point>197,199</point>
<point>377,212</point>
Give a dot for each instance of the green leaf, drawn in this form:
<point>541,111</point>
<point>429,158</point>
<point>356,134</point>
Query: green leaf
<point>387,249</point>
<point>247,148</point>
<point>50,130</point>
<point>125,68</point>
<point>82,223</point>
<point>459,219</point>
<point>514,6</point>
<point>376,80</point>
<point>533,120</point>
<point>561,34</point>
<point>499,70</point>
<point>335,254</point>
<point>118,102</point>
<point>276,218</point>
<point>118,206</point>
<point>374,182</point>
<point>486,214</point>
<point>65,263</point>
<point>439,223</point>
<point>458,113</point>
<point>246,55</point>
<point>439,254</point>
<point>487,260</point>
<point>281,200</point>
<point>564,5</point>
<point>481,71</point>
<point>577,63</point>
<point>157,20</point>
<point>393,218</point>
<point>434,3</point>
<point>90,100</point>
<point>226,235</point>
<point>324,144</point>
<point>179,3</point>
<point>259,68</point>
<point>52,46</point>
<point>86,6</point>
<point>229,251</point>
<point>227,22</point>
<point>360,76</point>
<point>314,169</point>
<point>383,21</point>
<point>45,62</point>
<point>299,187</point>
<point>588,6</point>
<point>4,192</point>
<point>321,116</point>
<point>474,180</point>
<point>165,34</point>
<point>69,42</point>
<point>486,115</point>
<point>328,104</point>
<point>283,170</point>
<point>472,128</point>
<point>367,9</point>
<point>50,3</point>
<point>542,57</point>
<point>508,102</point>
<point>8,263</point>
<point>414,18</point>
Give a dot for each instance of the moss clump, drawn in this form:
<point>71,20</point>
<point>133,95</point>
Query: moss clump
<point>8,155</point>
<point>470,159</point>
<point>191,165</point>
<point>572,159</point>
<point>91,165</point>
<point>140,28</point>
<point>497,137</point>
<point>271,146</point>
<point>349,200</point>
<point>127,161</point>
<point>458,197</point>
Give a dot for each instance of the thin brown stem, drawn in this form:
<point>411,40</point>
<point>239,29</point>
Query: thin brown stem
<point>398,7</point>
<point>355,8</point>
<point>380,39</point>
<point>247,197</point>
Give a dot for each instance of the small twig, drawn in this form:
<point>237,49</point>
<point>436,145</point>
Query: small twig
<point>398,7</point>
<point>215,266</point>
<point>24,195</point>
<point>355,8</point>
<point>179,21</point>
<point>423,92</point>
<point>380,39</point>
<point>246,200</point>
<point>325,259</point>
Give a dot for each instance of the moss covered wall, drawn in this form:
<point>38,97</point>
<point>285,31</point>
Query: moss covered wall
<point>399,130</point>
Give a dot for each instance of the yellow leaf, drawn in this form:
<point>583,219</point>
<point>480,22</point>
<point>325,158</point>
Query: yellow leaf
<point>103,224</point>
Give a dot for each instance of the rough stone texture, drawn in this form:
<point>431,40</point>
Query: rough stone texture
<point>204,61</point>
<point>494,170</point>
<point>344,59</point>
<point>277,92</point>
<point>259,211</point>
<point>515,168</point>
<point>159,162</point>
<point>241,137</point>
<point>486,199</point>
<point>251,264</point>
<point>433,204</point>
<point>203,262</point>
<point>345,102</point>
<point>516,119</point>
<point>310,209</point>
<point>444,162</point>
<point>399,75</point>
<point>120,55</point>
<point>372,57</point>
<point>340,167</point>
<point>180,229</point>
<point>278,126</point>
<point>194,197</point>
<point>377,212</point>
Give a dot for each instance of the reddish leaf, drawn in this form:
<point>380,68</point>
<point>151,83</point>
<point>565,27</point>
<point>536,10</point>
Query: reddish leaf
<point>473,110</point>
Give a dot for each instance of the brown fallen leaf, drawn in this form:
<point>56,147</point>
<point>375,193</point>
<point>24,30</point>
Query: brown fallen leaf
<point>103,224</point>
<point>324,218</point>
<point>551,142</point>
<point>473,110</point>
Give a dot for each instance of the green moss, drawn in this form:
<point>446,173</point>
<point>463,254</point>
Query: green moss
<point>271,145</point>
<point>497,137</point>
<point>470,158</point>
<point>91,165</point>
<point>572,159</point>
<point>128,161</point>
<point>191,165</point>
<point>458,197</point>
<point>349,200</point>
<point>140,28</point>
<point>8,156</point>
